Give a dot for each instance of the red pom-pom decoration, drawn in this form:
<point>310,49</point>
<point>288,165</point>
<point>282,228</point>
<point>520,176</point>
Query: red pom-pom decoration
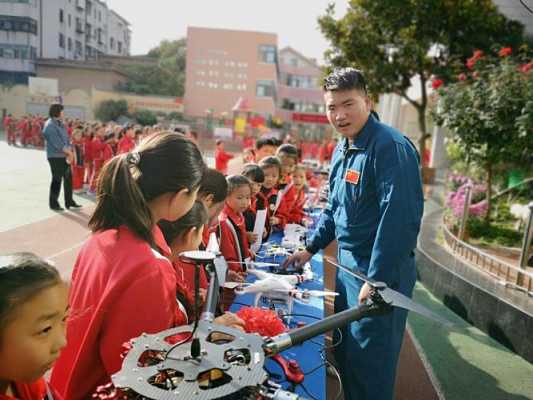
<point>261,321</point>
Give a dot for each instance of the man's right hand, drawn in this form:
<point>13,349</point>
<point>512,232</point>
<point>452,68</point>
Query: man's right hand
<point>298,259</point>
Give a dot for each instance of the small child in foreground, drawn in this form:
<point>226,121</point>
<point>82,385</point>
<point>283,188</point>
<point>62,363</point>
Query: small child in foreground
<point>33,313</point>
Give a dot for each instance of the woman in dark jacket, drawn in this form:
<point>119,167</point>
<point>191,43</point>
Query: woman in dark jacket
<point>59,155</point>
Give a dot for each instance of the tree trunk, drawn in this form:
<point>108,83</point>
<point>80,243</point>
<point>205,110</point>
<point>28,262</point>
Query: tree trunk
<point>422,119</point>
<point>422,141</point>
<point>489,191</point>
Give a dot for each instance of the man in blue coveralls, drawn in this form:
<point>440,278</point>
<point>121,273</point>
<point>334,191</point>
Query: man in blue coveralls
<point>374,211</point>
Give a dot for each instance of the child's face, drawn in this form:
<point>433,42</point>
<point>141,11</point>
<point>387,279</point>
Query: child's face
<point>77,136</point>
<point>298,179</point>
<point>213,212</point>
<point>256,187</point>
<point>271,177</point>
<point>130,133</point>
<point>32,341</point>
<point>239,199</point>
<point>287,165</point>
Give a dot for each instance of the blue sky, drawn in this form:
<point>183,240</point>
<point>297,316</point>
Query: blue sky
<point>295,21</point>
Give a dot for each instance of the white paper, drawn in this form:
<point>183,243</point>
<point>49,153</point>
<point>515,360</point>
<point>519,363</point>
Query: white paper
<point>259,227</point>
<point>222,268</point>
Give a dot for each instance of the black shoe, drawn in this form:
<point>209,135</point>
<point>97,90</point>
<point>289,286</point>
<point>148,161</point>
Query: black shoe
<point>57,208</point>
<point>73,205</point>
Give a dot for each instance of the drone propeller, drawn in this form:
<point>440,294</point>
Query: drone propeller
<point>393,297</point>
<point>259,264</point>
<point>320,293</point>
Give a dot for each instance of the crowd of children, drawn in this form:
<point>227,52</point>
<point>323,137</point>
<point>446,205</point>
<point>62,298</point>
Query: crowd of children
<point>155,200</point>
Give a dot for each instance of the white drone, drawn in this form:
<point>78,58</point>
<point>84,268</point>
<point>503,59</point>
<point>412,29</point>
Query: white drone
<point>276,289</point>
<point>294,279</point>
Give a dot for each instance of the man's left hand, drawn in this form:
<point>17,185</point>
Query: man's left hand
<point>364,294</point>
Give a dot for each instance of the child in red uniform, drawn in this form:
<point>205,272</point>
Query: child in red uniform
<point>233,240</point>
<point>122,283</point>
<point>107,152</point>
<point>78,166</point>
<point>87,145</point>
<point>294,199</point>
<point>256,176</point>
<point>269,196</point>
<point>185,234</point>
<point>97,149</point>
<point>127,143</point>
<point>221,157</point>
<point>33,308</point>
<point>288,156</point>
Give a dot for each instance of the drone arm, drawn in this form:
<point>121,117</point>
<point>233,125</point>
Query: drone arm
<point>212,295</point>
<point>286,340</point>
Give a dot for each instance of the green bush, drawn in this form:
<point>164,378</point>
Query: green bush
<point>497,233</point>
<point>145,117</point>
<point>110,110</point>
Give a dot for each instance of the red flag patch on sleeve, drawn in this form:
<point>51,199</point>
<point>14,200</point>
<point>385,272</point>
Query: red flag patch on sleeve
<point>352,176</point>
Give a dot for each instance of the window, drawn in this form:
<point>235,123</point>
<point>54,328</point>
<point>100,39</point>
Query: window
<point>61,16</point>
<point>119,47</point>
<point>228,86</point>
<point>69,20</point>
<point>79,48</point>
<point>298,81</point>
<point>89,6</point>
<point>18,24</point>
<point>61,40</point>
<point>112,43</point>
<point>69,44</point>
<point>100,16</point>
<point>267,53</point>
<point>265,89</point>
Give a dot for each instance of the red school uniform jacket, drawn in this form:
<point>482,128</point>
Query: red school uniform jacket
<point>125,145</point>
<point>88,145</point>
<point>233,241</point>
<point>120,288</point>
<point>221,160</point>
<point>37,390</point>
<point>293,205</point>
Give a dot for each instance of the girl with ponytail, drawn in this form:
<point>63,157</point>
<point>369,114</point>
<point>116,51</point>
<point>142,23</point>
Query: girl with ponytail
<point>122,282</point>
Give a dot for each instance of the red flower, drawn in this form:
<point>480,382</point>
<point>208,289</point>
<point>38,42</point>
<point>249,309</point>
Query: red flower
<point>471,62</point>
<point>437,83</point>
<point>525,68</point>
<point>505,51</point>
<point>462,77</point>
<point>475,75</point>
<point>477,54</point>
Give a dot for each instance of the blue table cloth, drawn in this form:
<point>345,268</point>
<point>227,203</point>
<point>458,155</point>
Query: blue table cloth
<point>308,354</point>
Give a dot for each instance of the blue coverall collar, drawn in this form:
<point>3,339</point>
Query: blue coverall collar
<point>361,141</point>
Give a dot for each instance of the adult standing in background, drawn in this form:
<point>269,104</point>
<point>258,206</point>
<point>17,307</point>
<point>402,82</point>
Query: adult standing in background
<point>374,211</point>
<point>59,155</point>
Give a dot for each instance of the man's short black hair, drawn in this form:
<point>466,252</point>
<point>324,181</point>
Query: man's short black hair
<point>264,142</point>
<point>345,79</point>
<point>55,110</point>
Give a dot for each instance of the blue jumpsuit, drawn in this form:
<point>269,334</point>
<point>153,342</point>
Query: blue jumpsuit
<point>374,211</point>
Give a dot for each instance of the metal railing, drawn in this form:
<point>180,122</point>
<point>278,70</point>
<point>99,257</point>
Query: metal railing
<point>508,274</point>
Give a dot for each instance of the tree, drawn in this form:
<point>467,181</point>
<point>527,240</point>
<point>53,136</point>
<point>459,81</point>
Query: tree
<point>166,77</point>
<point>394,41</point>
<point>145,117</point>
<point>110,110</point>
<point>490,110</point>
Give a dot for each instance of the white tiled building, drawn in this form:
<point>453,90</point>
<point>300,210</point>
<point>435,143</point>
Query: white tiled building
<point>57,29</point>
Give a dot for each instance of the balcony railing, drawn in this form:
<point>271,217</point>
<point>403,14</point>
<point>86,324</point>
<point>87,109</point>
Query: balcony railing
<point>507,274</point>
